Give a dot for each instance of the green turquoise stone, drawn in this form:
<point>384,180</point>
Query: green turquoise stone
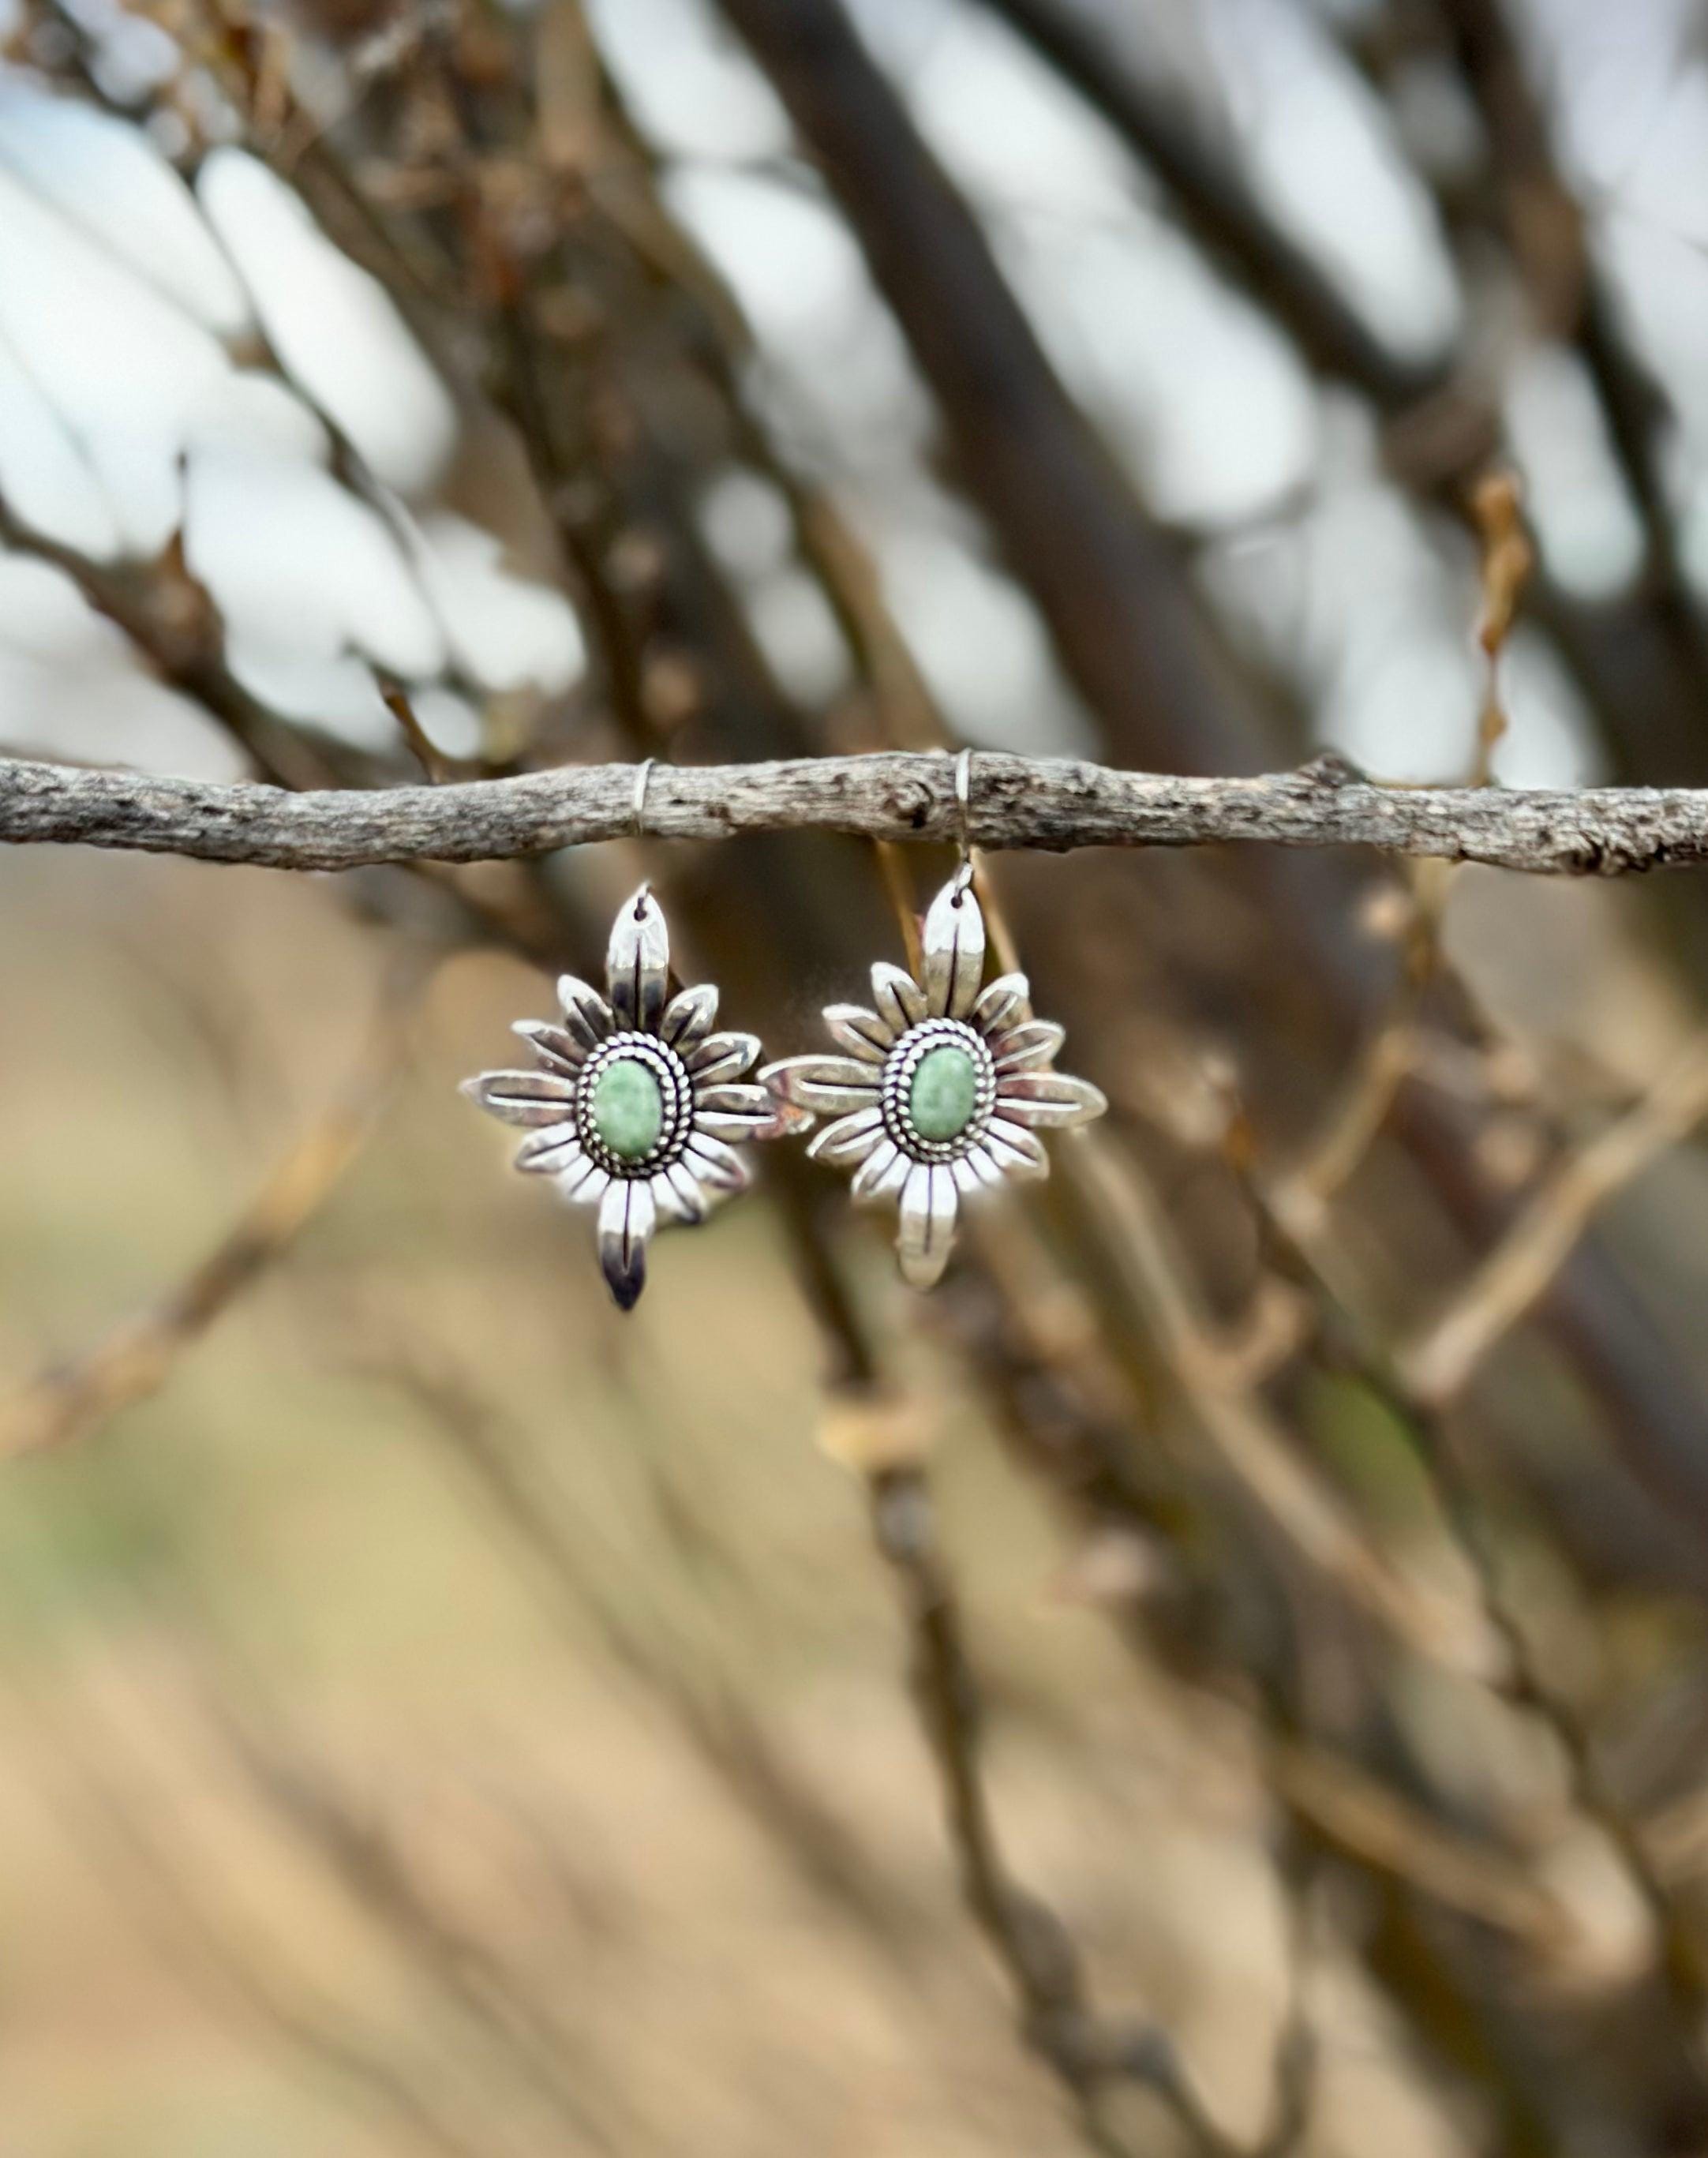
<point>944,1093</point>
<point>627,1108</point>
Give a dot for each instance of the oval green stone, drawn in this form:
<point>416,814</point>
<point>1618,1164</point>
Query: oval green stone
<point>627,1108</point>
<point>944,1093</point>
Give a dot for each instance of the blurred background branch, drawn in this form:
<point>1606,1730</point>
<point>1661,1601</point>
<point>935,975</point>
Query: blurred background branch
<point>444,1721</point>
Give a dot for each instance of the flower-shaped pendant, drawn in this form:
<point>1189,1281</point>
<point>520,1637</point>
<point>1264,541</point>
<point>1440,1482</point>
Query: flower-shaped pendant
<point>636,1101</point>
<point>939,1094</point>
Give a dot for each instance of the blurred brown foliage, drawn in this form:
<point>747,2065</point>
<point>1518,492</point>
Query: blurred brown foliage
<point>442,1716</point>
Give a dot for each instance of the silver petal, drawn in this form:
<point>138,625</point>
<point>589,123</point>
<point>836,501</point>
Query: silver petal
<point>676,1194</point>
<point>741,1125</point>
<point>884,1171</point>
<point>523,1097</point>
<point>851,1138</point>
<point>1004,1002</point>
<point>1049,1098</point>
<point>627,1217</point>
<point>733,1112</point>
<point>583,1183</point>
<point>954,951</point>
<point>718,1166</point>
<point>557,1049</point>
<point>1016,1152</point>
<point>586,1015</point>
<point>829,1085</point>
<point>1034,1042</point>
<point>690,1018</point>
<point>900,1001</point>
<point>637,964</point>
<point>975,1173</point>
<point>745,1096</point>
<point>929,1206</point>
<point>722,1056</point>
<point>860,1032</point>
<point>547,1152</point>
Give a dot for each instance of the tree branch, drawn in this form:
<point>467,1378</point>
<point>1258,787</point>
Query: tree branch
<point>1049,803</point>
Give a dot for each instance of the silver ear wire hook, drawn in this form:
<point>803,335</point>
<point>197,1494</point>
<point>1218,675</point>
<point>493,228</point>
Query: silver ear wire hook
<point>963,801</point>
<point>644,776</point>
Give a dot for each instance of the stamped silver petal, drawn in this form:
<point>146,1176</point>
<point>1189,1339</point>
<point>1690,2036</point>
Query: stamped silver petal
<point>637,964</point>
<point>739,1124</point>
<point>954,951</point>
<point>1050,1099</point>
<point>583,1183</point>
<point>545,1154</point>
<point>1016,1152</point>
<point>829,1086</point>
<point>718,1166</point>
<point>1023,1048</point>
<point>676,1194</point>
<point>741,1112</point>
<point>929,1206</point>
<point>849,1139</point>
<point>557,1049</point>
<point>722,1056</point>
<point>974,1173</point>
<point>587,1015</point>
<point>882,1173</point>
<point>690,1018</point>
<point>523,1097</point>
<point>627,1217</point>
<point>740,1097</point>
<point>900,1001</point>
<point>860,1032</point>
<point>1004,1002</point>
<point>982,1165</point>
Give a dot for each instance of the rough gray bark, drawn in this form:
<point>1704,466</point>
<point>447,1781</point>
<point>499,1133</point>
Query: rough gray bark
<point>1050,803</point>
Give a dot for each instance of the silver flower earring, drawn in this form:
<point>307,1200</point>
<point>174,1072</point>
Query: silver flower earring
<point>939,1093</point>
<point>636,1099</point>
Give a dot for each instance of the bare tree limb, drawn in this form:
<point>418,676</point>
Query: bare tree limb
<point>1050,802</point>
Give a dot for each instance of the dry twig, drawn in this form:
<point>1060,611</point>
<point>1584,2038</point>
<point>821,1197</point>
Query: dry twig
<point>1050,802</point>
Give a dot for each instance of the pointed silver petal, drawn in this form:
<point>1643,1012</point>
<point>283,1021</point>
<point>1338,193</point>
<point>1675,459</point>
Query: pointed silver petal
<point>830,1085</point>
<point>548,1153</point>
<point>900,1001</point>
<point>690,1018</point>
<point>583,1183</point>
<point>1004,1002</point>
<point>851,1138</point>
<point>1016,1152</point>
<point>882,1173</point>
<point>676,1194</point>
<point>744,1097</point>
<point>929,1207</point>
<point>1048,1098</point>
<point>557,1049</point>
<point>722,1056</point>
<point>523,1097</point>
<point>637,964</point>
<point>968,1181</point>
<point>626,1218</point>
<point>586,1015</point>
<point>954,951</point>
<point>739,1112</point>
<point>1023,1048</point>
<point>860,1032</point>
<point>717,1166</point>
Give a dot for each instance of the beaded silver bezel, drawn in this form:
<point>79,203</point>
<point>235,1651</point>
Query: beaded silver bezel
<point>897,1088</point>
<point>676,1097</point>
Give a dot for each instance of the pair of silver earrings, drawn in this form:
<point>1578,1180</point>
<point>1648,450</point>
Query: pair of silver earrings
<point>933,1097</point>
